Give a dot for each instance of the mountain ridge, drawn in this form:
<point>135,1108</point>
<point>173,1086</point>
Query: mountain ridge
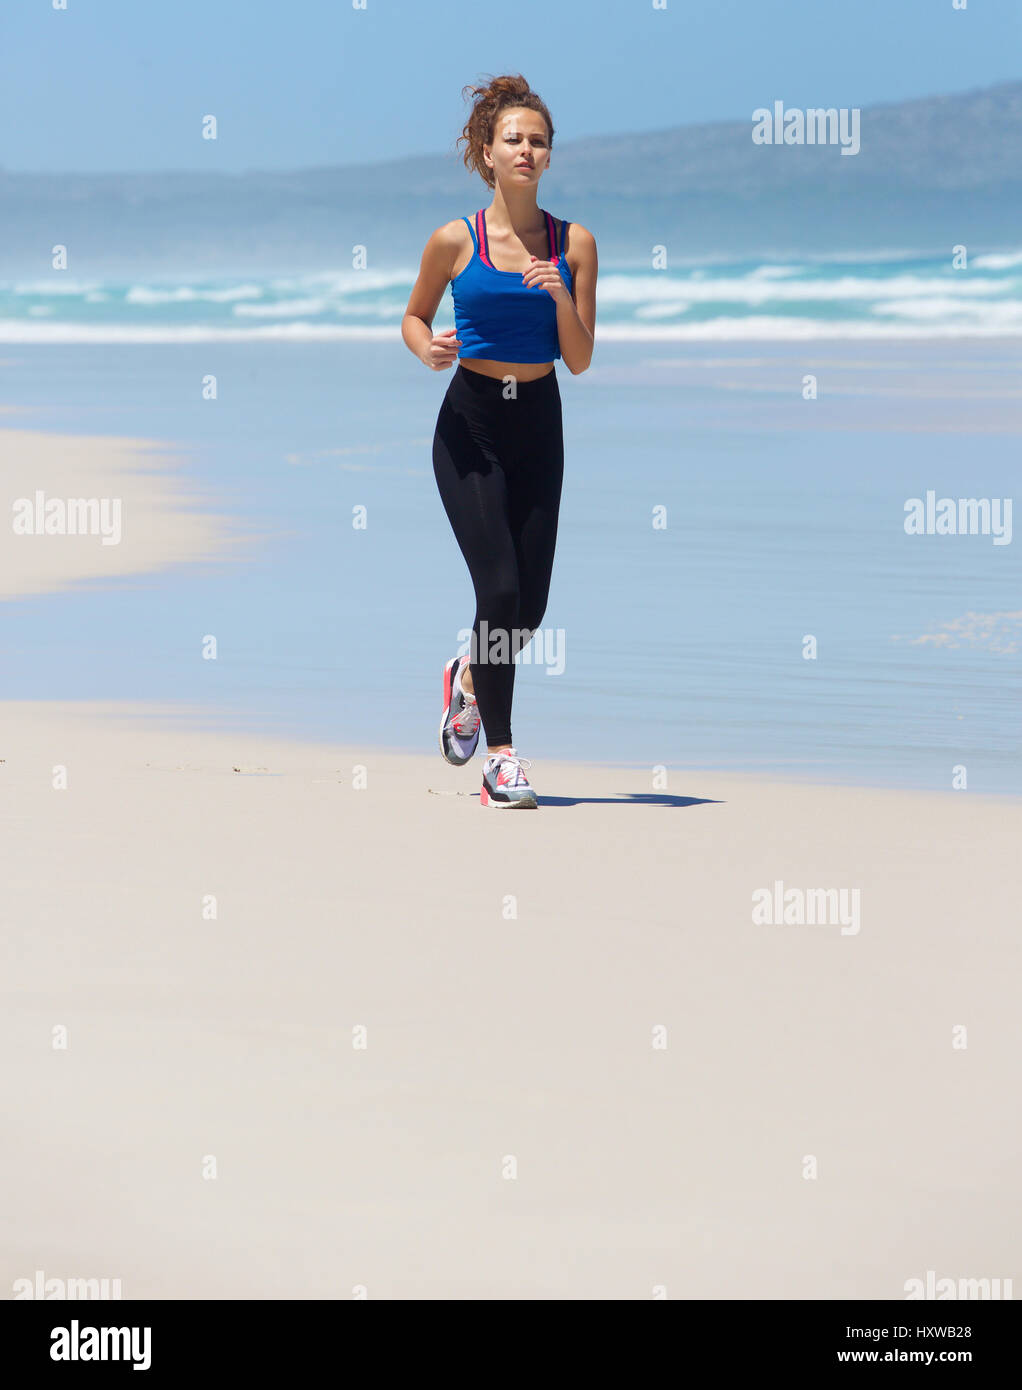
<point>931,171</point>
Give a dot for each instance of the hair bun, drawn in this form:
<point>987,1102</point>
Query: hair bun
<point>506,89</point>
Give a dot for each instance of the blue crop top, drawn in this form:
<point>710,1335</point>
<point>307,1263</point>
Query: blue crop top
<point>499,317</point>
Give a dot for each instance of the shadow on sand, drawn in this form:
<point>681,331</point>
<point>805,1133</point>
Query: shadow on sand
<point>632,799</point>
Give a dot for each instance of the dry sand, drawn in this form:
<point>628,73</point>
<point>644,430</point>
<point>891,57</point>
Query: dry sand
<point>509,970</point>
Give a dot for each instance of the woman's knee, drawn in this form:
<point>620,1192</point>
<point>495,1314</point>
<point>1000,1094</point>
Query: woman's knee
<point>531,611</point>
<point>499,605</point>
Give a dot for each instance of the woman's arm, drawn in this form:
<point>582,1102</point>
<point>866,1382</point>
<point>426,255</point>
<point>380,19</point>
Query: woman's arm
<point>437,350</point>
<point>576,316</point>
<point>576,311</point>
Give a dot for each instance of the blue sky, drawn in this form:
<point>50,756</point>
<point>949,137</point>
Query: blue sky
<point>123,84</point>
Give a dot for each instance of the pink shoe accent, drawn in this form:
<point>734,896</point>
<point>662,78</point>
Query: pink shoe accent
<point>449,684</point>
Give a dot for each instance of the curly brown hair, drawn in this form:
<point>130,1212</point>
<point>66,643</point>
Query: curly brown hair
<point>488,102</point>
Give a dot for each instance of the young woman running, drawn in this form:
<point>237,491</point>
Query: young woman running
<point>524,291</point>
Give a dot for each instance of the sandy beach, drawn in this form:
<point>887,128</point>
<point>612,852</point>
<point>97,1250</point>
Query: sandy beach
<point>434,1052</point>
<point>142,516</point>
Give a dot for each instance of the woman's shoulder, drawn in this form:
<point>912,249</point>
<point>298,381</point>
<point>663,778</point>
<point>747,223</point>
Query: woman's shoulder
<point>579,234</point>
<point>579,246</point>
<point>446,245</point>
<point>456,234</point>
<point>451,233</point>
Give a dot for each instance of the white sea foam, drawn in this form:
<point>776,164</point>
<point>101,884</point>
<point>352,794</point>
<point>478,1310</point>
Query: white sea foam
<point>284,308</point>
<point>60,284</point>
<point>24,331</point>
<point>765,329</point>
<point>757,329</point>
<point>645,289</point>
<point>664,310</point>
<point>997,261</point>
<point>343,282</point>
<point>185,294</point>
<point>775,272</point>
<point>1004,313</point>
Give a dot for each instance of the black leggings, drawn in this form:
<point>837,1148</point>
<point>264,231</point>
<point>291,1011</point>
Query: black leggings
<point>499,465</point>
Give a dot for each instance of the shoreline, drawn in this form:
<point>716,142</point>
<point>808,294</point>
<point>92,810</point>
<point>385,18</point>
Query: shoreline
<point>170,526</point>
<point>208,721</point>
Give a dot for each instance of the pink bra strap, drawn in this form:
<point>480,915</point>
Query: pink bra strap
<point>483,245</point>
<point>484,250</point>
<point>552,236</point>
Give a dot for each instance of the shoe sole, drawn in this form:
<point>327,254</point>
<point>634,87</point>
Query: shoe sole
<point>490,802</point>
<point>449,670</point>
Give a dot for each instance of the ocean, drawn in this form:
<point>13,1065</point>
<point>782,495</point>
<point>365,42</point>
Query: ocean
<point>879,296</point>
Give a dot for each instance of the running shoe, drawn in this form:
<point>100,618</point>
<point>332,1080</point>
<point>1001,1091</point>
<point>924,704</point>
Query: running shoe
<point>505,786</point>
<point>459,727</point>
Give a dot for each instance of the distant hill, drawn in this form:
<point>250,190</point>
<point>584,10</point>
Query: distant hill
<point>930,173</point>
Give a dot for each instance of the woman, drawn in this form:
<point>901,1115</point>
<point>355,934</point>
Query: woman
<point>524,290</point>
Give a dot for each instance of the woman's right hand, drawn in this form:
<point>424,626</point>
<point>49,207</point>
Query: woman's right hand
<point>442,350</point>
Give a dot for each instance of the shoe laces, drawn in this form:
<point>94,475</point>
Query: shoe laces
<point>510,769</point>
<point>466,721</point>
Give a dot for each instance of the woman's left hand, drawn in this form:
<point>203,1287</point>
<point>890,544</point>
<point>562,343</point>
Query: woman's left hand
<point>546,275</point>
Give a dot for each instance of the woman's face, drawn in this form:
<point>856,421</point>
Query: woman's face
<point>521,147</point>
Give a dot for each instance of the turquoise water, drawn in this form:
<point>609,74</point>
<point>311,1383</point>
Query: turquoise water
<point>682,646</point>
<point>896,297</point>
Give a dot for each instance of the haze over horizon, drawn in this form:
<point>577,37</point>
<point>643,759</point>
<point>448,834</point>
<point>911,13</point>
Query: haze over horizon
<point>927,175</point>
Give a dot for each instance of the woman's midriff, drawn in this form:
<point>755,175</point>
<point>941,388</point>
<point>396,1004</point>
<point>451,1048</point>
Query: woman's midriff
<point>522,371</point>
